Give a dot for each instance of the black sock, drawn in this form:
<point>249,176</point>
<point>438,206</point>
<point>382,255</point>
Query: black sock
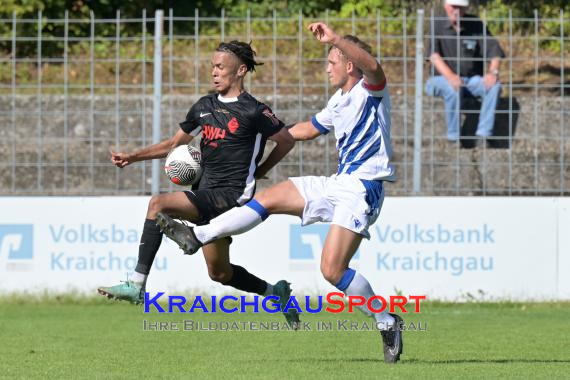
<point>150,242</point>
<point>245,281</point>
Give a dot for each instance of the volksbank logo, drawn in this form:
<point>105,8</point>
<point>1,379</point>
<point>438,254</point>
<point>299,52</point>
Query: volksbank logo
<point>16,246</point>
<point>306,245</point>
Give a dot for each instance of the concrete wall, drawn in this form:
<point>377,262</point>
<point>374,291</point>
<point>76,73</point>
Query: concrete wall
<point>536,164</point>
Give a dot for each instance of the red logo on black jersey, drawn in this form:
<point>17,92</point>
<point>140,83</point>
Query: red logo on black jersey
<point>233,125</point>
<point>210,134</point>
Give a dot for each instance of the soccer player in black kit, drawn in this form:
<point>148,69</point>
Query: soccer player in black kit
<point>235,127</point>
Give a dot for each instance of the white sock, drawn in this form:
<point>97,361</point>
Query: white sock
<point>359,286</point>
<point>138,278</point>
<point>233,222</point>
<point>268,290</point>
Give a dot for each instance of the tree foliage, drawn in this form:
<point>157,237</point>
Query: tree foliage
<point>258,8</point>
<point>107,9</point>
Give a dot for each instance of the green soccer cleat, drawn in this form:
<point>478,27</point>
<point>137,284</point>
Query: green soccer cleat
<point>282,290</point>
<point>125,291</point>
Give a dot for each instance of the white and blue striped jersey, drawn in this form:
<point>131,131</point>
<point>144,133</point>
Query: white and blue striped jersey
<point>361,121</point>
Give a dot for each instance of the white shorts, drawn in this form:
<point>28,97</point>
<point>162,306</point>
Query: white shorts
<point>341,199</point>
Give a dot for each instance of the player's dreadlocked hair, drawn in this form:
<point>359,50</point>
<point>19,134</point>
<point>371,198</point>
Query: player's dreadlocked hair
<point>241,50</point>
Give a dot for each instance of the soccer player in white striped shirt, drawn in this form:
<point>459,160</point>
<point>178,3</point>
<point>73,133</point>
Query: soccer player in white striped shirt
<point>351,199</point>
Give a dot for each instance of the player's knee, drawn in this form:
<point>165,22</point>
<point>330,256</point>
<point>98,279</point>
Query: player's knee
<point>331,273</point>
<point>275,198</point>
<point>154,205</point>
<point>221,276</point>
<point>265,200</point>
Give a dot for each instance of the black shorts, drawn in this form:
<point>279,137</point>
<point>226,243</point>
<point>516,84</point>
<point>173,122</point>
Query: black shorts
<point>213,202</point>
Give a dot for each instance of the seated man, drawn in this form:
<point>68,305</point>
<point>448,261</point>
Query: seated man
<point>460,66</point>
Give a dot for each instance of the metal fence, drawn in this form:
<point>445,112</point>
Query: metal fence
<point>71,89</point>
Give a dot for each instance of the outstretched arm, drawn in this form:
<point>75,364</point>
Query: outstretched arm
<point>373,73</point>
<point>160,150</point>
<point>304,131</point>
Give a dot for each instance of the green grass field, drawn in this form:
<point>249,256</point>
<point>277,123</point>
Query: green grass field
<point>96,338</point>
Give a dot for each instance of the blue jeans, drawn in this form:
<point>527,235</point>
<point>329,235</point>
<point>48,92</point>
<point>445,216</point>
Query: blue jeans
<point>439,86</point>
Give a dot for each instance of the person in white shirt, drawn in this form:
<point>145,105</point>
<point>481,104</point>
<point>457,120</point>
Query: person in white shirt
<point>351,199</point>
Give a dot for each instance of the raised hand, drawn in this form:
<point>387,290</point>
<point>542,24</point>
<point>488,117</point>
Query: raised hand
<point>323,33</point>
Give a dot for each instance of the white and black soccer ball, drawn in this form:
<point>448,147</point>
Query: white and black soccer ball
<point>182,165</point>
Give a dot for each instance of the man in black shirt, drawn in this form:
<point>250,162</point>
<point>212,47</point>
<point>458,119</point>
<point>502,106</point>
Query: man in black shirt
<point>235,127</point>
<point>460,47</point>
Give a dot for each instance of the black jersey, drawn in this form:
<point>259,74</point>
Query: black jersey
<point>234,134</point>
